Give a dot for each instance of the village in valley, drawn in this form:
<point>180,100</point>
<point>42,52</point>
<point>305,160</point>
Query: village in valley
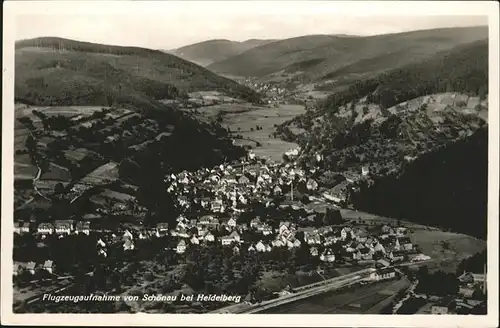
<point>277,213</point>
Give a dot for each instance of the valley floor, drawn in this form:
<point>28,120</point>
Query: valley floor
<point>254,125</point>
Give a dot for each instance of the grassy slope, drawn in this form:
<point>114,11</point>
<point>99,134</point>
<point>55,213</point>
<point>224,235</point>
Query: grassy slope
<point>87,73</point>
<point>344,57</point>
<point>207,52</point>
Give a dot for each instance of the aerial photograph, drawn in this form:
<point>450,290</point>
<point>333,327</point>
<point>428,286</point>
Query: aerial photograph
<point>263,164</point>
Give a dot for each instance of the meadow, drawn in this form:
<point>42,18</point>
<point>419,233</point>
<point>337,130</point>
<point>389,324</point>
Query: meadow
<point>244,121</point>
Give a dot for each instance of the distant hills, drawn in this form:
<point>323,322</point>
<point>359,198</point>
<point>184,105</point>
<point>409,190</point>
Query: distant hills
<point>57,71</point>
<point>207,52</point>
<point>342,59</point>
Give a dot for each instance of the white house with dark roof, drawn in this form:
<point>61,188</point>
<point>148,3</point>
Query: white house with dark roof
<point>83,227</point>
<point>235,236</point>
<point>194,240</point>
<point>311,185</point>
<point>277,190</point>
<point>284,226</point>
<point>217,206</point>
<point>400,231</point>
<point>403,243</point>
<point>277,243</point>
<point>49,266</point>
<point>255,222</point>
<point>181,247</point>
<point>17,227</point>
<point>266,230</point>
<point>312,239</point>
<point>162,227</point>
<point>379,248</point>
<point>230,222</point>
<point>45,228</point>
<point>127,235</point>
<point>208,237</point>
<point>16,269</point>
<point>202,230</point>
<point>205,219</point>
<point>30,267</point>
<point>205,202</point>
<point>382,274</point>
<point>128,245</point>
<point>260,247</point>
<point>182,233</point>
<point>101,243</point>
<point>327,256</point>
<point>226,240</point>
<point>25,228</point>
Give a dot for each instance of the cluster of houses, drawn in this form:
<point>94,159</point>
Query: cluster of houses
<point>469,282</point>
<point>32,267</point>
<point>327,243</point>
<point>464,302</point>
<point>212,201</point>
<point>226,189</point>
<point>274,93</point>
<point>59,227</point>
<point>351,244</point>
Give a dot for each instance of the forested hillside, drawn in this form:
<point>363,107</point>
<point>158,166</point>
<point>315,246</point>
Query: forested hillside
<point>445,188</point>
<point>55,71</point>
<point>463,69</point>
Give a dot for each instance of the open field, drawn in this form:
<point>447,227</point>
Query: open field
<point>68,111</point>
<point>245,123</point>
<point>243,119</point>
<point>103,174</point>
<point>119,196</point>
<point>277,281</point>
<point>21,133</point>
<point>446,248</point>
<point>24,171</point>
<point>76,155</point>
<point>350,214</point>
<point>22,195</point>
<point>359,300</point>
<point>56,172</point>
<point>49,185</point>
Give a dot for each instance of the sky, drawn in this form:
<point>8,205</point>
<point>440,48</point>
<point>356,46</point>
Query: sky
<point>170,24</point>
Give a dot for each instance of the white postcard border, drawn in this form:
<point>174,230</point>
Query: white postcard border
<point>354,8</point>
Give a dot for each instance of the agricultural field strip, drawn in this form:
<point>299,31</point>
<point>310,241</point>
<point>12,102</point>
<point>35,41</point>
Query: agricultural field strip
<point>312,290</point>
<point>370,294</point>
<point>305,294</point>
